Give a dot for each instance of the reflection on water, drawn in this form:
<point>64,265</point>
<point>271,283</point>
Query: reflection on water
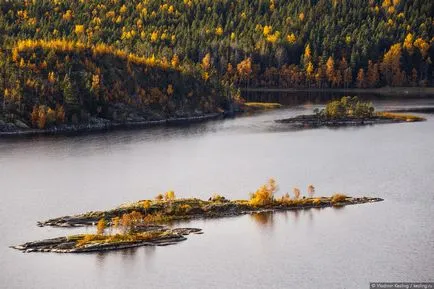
<point>44,177</point>
<point>263,219</point>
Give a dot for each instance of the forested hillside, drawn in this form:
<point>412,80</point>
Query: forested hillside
<point>82,57</point>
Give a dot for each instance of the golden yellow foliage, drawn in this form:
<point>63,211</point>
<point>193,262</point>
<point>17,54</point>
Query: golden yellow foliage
<point>206,62</point>
<point>267,30</point>
<point>123,9</point>
<point>301,16</point>
<point>423,46</point>
<point>408,43</point>
<point>146,204</point>
<point>309,69</point>
<point>100,226</point>
<point>264,195</point>
<point>175,60</point>
<point>67,16</point>
<point>307,52</point>
<point>42,117</point>
<point>79,47</point>
<point>79,29</point>
<point>169,195</point>
<point>219,31</point>
<point>272,38</point>
<point>51,77</point>
<point>336,198</point>
<point>154,36</point>
<point>291,38</point>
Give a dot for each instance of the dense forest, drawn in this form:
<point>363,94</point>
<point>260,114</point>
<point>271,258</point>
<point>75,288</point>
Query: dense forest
<point>69,60</point>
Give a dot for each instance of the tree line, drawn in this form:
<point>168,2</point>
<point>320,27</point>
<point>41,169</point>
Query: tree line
<point>223,43</point>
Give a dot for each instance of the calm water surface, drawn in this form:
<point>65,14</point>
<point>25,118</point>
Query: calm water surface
<point>393,240</point>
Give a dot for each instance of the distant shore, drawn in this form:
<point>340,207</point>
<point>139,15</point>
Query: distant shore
<point>389,91</point>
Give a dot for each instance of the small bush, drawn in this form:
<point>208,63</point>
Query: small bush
<point>217,198</point>
<point>184,209</point>
<point>89,238</point>
<point>337,198</point>
<point>316,202</point>
<point>146,204</point>
<point>169,196</point>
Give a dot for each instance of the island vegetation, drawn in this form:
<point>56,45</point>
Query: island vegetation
<point>73,65</point>
<point>147,222</point>
<point>348,111</point>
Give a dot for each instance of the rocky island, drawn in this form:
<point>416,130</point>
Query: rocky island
<point>348,111</point>
<point>148,222</point>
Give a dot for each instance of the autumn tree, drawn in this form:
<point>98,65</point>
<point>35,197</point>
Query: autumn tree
<point>100,226</point>
<point>330,70</point>
<point>311,190</point>
<point>361,79</point>
<point>169,196</point>
<point>296,193</point>
<point>373,75</point>
<point>391,66</point>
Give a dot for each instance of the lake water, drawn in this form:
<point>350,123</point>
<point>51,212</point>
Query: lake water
<point>46,177</point>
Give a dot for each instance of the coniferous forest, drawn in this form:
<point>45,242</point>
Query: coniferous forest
<point>67,61</point>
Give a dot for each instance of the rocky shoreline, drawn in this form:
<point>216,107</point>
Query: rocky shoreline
<point>148,222</point>
<point>69,244</point>
<point>199,210</point>
<point>314,121</point>
<point>95,124</point>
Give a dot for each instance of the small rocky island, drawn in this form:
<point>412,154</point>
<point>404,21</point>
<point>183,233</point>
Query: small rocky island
<point>148,222</point>
<point>347,111</point>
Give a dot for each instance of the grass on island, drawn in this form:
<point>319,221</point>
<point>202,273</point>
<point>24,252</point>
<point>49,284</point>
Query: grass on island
<point>118,238</point>
<point>131,226</point>
<point>262,105</point>
<point>400,116</point>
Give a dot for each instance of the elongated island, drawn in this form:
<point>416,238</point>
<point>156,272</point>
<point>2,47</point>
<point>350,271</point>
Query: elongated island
<point>149,222</point>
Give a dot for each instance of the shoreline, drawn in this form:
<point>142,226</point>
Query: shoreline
<point>147,223</point>
<point>315,121</point>
<point>388,91</point>
<point>199,209</point>
<point>103,125</point>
